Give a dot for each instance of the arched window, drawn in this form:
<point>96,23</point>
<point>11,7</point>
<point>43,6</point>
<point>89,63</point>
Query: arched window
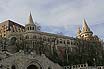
<point>57,41</point>
<point>27,28</point>
<point>27,37</point>
<point>13,67</point>
<point>60,41</point>
<point>31,28</point>
<point>48,39</point>
<point>68,42</point>
<point>34,37</point>
<point>49,67</point>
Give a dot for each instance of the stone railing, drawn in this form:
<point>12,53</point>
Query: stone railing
<point>79,66</point>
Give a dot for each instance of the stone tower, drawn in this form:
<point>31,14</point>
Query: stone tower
<point>30,26</point>
<point>86,33</point>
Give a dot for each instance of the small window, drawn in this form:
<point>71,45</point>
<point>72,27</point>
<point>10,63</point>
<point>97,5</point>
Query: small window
<point>27,28</point>
<point>49,68</point>
<point>64,41</point>
<point>81,65</point>
<point>84,65</point>
<point>27,37</point>
<point>57,41</point>
<point>73,66</point>
<point>4,34</point>
<point>68,42</point>
<point>61,41</point>
<point>32,28</point>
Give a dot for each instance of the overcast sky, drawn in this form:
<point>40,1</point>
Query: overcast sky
<point>53,12</point>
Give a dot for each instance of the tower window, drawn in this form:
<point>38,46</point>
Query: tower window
<point>61,41</point>
<point>27,37</point>
<point>4,34</point>
<point>57,41</point>
<point>28,28</point>
<point>68,42</point>
<point>33,28</point>
<point>49,67</point>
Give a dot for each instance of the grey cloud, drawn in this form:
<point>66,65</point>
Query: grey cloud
<point>53,12</point>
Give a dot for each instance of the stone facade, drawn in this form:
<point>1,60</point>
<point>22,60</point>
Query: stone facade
<point>9,26</point>
<point>26,37</point>
<point>20,60</point>
<point>11,59</point>
<point>86,33</point>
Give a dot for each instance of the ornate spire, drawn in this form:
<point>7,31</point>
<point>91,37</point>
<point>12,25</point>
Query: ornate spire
<point>30,19</point>
<point>85,27</point>
<point>78,31</point>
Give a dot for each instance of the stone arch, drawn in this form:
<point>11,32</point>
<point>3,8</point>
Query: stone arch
<point>27,37</point>
<point>12,40</point>
<point>33,63</point>
<point>13,67</point>
<point>49,68</point>
<point>32,67</point>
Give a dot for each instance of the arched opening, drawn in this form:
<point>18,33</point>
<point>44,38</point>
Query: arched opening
<point>49,68</point>
<point>32,67</point>
<point>13,67</point>
<point>12,40</point>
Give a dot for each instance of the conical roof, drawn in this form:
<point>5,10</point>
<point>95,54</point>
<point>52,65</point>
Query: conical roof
<point>30,19</point>
<point>85,27</point>
<point>78,31</point>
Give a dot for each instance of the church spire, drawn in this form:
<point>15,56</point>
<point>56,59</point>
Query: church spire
<point>30,19</point>
<point>85,27</point>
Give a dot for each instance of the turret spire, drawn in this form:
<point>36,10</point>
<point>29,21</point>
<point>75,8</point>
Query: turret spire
<point>78,31</point>
<point>85,27</point>
<point>30,26</point>
<point>30,19</point>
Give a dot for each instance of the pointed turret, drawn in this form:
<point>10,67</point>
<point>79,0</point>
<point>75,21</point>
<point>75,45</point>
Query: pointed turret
<point>85,27</point>
<point>30,26</point>
<point>78,32</point>
<point>86,32</point>
<point>30,19</point>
